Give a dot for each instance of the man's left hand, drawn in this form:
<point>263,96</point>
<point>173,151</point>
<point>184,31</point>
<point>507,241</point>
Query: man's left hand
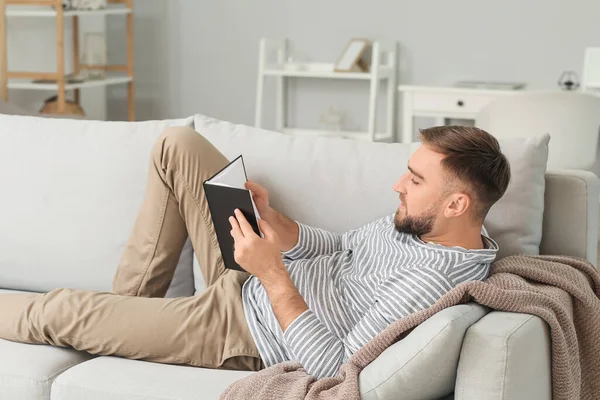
<point>259,256</point>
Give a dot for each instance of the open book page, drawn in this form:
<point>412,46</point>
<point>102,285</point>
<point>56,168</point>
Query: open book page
<point>234,175</point>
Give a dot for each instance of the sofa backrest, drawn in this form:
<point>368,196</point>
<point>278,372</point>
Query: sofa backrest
<point>71,190</point>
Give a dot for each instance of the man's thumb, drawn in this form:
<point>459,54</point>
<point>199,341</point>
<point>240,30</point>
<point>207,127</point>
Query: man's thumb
<point>266,229</point>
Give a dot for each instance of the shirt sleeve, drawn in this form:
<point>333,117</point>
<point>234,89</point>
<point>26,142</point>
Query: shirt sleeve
<point>314,242</point>
<point>322,353</point>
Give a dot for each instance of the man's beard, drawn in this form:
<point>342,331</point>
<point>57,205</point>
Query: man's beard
<point>418,226</point>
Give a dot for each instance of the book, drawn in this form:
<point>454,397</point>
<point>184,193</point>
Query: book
<point>225,191</point>
<point>491,85</point>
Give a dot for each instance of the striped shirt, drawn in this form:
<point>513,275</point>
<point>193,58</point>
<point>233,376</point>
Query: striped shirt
<point>355,285</point>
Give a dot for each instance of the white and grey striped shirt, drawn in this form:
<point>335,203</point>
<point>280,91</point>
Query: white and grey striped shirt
<point>355,285</point>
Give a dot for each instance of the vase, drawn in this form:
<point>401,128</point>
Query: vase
<point>94,55</point>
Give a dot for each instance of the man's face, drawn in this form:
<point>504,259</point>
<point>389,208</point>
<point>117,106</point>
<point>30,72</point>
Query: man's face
<point>421,191</point>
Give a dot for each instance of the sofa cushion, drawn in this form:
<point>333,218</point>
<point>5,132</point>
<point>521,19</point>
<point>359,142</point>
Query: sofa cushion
<point>27,371</point>
<point>354,179</point>
<point>73,190</point>
<point>515,221</point>
<point>112,378</point>
<point>423,364</point>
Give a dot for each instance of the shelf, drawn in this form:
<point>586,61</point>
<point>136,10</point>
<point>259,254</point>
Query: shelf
<point>28,84</point>
<point>384,73</point>
<point>379,136</point>
<point>383,69</point>
<point>47,11</point>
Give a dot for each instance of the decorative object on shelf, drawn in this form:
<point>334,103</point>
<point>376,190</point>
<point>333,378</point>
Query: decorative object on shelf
<point>290,65</point>
<point>352,59</point>
<point>491,85</point>
<point>94,53</point>
<point>568,80</point>
<point>51,107</point>
<point>333,120</point>
<point>88,4</point>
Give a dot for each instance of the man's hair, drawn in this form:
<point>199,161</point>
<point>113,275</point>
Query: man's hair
<point>473,156</point>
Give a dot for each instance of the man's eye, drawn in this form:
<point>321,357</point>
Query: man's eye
<point>413,181</point>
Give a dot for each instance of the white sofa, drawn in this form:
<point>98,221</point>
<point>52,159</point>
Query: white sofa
<point>70,194</point>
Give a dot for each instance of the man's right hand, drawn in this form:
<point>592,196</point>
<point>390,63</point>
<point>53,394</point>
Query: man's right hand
<point>286,228</point>
<point>260,195</point>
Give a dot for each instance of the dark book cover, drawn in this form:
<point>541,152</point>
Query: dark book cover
<point>222,202</point>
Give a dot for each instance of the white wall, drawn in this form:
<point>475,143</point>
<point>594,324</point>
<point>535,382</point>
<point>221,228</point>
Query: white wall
<point>157,53</point>
<point>201,56</point>
<point>32,47</point>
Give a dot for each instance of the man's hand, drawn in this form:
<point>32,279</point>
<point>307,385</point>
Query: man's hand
<point>259,256</point>
<point>260,195</point>
<point>287,229</point>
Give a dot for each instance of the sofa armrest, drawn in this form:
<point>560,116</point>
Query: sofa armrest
<point>571,206</point>
<point>505,356</point>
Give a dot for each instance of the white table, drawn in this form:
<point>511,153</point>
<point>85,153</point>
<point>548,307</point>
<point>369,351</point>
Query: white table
<point>442,103</point>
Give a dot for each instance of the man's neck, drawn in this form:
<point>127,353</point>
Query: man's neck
<point>468,238</point>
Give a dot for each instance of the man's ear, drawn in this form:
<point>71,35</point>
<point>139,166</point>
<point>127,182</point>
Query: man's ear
<point>458,204</point>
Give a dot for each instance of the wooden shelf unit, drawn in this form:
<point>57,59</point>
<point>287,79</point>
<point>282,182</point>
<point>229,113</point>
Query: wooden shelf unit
<point>14,79</point>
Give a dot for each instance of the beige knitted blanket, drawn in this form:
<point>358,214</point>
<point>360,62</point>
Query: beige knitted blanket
<point>562,291</point>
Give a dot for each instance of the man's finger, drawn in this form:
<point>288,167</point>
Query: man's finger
<point>266,229</point>
<point>236,232</point>
<point>244,224</point>
<point>254,187</point>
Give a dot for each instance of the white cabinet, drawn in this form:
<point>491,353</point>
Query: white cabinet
<point>442,103</point>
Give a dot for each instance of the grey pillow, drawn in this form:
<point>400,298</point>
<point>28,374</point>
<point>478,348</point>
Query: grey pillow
<point>423,365</point>
<point>515,222</point>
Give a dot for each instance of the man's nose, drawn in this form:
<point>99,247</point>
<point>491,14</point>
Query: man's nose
<point>399,186</point>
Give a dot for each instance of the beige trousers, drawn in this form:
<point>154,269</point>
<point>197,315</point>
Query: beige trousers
<point>208,330</point>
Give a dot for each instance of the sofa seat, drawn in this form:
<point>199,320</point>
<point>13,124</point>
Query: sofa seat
<point>113,378</point>
<point>28,371</point>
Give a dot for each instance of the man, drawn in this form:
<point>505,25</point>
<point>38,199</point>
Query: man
<point>314,296</point>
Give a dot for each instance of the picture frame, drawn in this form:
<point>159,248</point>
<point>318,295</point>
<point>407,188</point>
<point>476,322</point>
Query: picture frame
<point>352,58</point>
